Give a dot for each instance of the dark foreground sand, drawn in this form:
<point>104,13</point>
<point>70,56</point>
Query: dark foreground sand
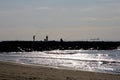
<point>14,71</point>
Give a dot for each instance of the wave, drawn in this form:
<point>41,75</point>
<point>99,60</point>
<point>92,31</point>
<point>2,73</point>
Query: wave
<point>99,61</point>
<point>63,51</point>
<point>76,55</point>
<point>96,60</point>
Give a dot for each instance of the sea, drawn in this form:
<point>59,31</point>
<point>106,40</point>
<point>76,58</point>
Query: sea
<point>103,61</point>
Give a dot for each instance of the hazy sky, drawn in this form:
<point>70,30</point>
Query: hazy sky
<point>67,19</point>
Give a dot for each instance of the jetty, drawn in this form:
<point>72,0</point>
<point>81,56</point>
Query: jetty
<point>28,46</point>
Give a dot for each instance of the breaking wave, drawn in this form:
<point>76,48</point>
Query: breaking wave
<point>107,61</point>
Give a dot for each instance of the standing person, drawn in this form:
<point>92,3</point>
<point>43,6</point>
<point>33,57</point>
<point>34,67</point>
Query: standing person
<point>33,37</point>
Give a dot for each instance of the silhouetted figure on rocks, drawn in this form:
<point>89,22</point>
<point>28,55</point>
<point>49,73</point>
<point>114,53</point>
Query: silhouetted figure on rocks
<point>33,37</point>
<point>61,40</point>
<point>46,39</point>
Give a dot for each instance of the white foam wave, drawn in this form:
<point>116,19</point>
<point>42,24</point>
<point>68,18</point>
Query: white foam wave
<point>90,60</point>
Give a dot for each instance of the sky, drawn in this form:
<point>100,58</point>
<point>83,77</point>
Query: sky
<point>67,19</point>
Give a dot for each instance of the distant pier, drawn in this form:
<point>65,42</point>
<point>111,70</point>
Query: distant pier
<point>21,46</point>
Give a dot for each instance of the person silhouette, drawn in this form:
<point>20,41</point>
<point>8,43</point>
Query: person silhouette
<point>61,40</point>
<point>33,37</point>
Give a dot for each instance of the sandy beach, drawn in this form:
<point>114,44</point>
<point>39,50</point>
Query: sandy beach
<point>15,71</point>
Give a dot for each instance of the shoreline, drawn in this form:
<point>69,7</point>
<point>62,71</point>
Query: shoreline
<point>16,71</point>
<point>66,68</point>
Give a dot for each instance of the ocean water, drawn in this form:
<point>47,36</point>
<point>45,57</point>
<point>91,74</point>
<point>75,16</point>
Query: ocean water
<point>104,61</point>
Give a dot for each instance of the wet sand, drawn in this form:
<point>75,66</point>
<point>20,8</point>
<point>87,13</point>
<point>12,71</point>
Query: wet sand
<point>14,71</point>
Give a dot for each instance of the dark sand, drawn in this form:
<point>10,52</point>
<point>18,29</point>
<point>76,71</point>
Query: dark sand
<point>14,71</point>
